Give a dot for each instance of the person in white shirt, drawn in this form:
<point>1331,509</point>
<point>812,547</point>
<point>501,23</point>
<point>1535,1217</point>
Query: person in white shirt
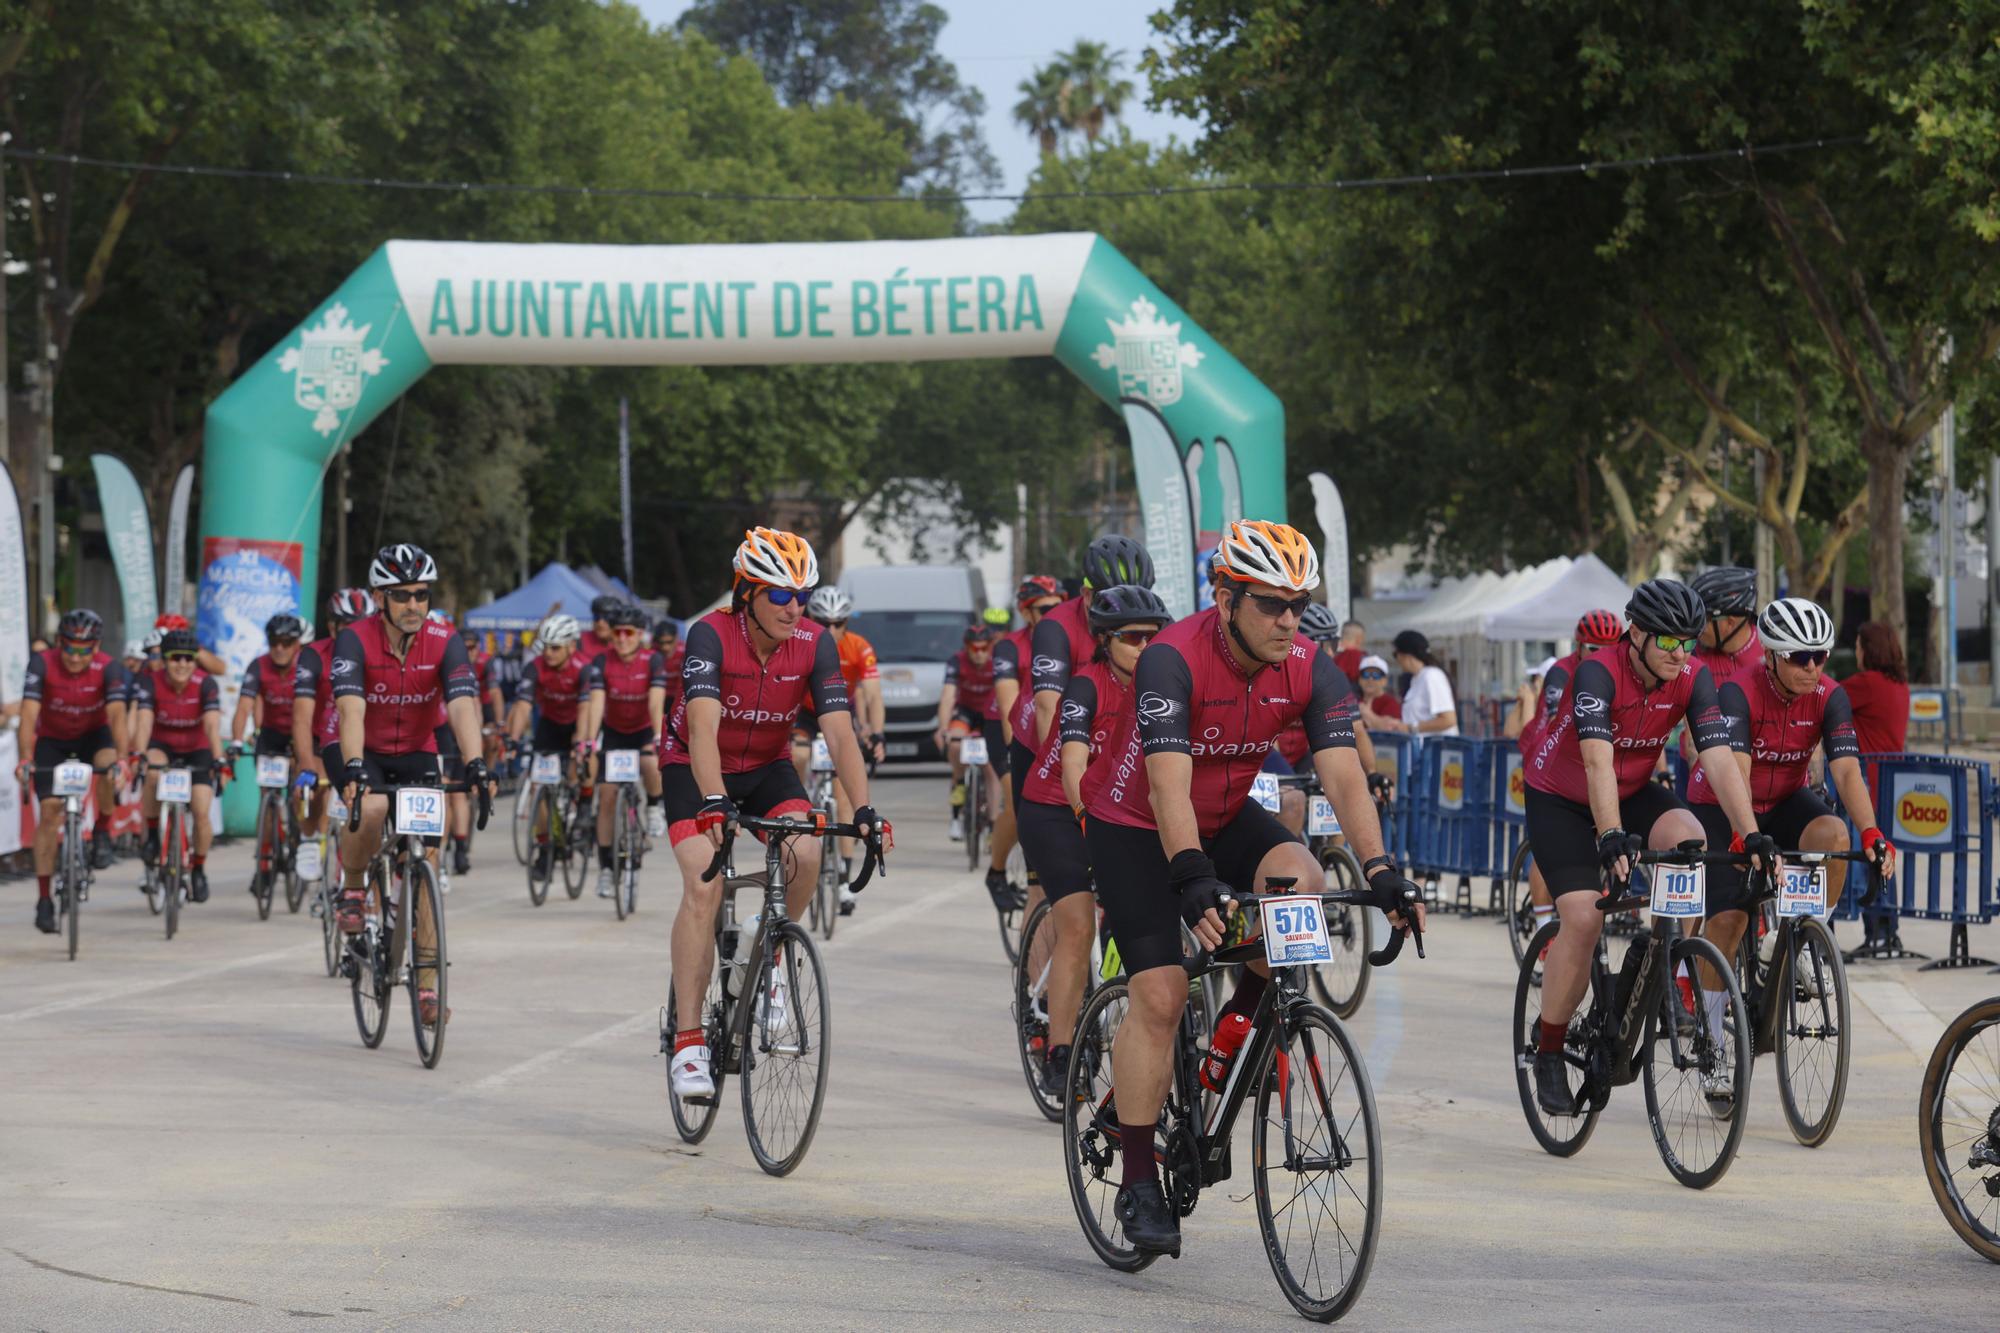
<point>1428,706</point>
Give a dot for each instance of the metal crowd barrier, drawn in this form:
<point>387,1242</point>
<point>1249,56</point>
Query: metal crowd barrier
<point>1395,758</point>
<point>1934,715</point>
<point>1940,812</point>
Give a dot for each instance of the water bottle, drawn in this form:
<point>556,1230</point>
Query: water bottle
<point>745,936</point>
<point>1229,1037</point>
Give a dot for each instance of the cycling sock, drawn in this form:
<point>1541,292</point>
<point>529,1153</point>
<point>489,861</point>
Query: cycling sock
<point>1138,1149</point>
<point>1249,990</point>
<point>42,883</point>
<point>689,1037</point>
<point>197,862</point>
<point>1551,1036</point>
<point>1713,1003</point>
<point>604,855</point>
<point>1543,915</point>
<point>655,802</point>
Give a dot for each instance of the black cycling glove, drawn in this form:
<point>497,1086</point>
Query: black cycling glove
<point>1763,849</point>
<point>1378,785</point>
<point>475,772</point>
<point>1614,844</point>
<point>1193,876</point>
<point>714,813</point>
<point>354,774</point>
<point>1394,891</point>
<point>865,814</point>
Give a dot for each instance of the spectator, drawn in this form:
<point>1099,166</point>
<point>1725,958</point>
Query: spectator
<point>1526,701</point>
<point>1353,634</point>
<point>1879,693</point>
<point>1428,706</point>
<point>1380,710</point>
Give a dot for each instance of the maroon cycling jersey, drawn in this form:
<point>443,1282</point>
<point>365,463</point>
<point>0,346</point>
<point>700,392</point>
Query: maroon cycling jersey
<point>1009,663</point>
<point>1607,701</point>
<point>1193,699</point>
<point>1554,685</point>
<point>178,714</point>
<point>1094,706</point>
<point>674,660</point>
<point>627,684</point>
<point>1739,666</point>
<point>589,647</point>
<point>1062,644</point>
<point>73,706</point>
<point>557,691</point>
<point>314,676</point>
<point>1780,735</point>
<point>1293,745</point>
<point>975,683</point>
<point>759,699</point>
<point>273,684</point>
<point>403,694</point>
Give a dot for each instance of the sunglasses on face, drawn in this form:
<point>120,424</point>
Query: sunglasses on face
<point>626,632</point>
<point>836,624</point>
<point>1276,607</point>
<point>1135,638</point>
<point>1667,643</point>
<point>1043,608</point>
<point>786,596</point>
<point>404,596</point>
<point>284,643</point>
<point>179,657</point>
<point>78,649</point>
<point>1374,675</point>
<point>1810,657</point>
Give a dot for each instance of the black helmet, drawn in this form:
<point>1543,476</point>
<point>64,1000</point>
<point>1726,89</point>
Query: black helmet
<point>1727,590</point>
<point>81,626</point>
<point>666,629</point>
<point>284,625</point>
<point>401,563</point>
<point>602,607</point>
<point>624,613</point>
<point>1125,604</point>
<point>1666,606</point>
<point>1319,625</point>
<point>179,641</point>
<point>1112,560</point>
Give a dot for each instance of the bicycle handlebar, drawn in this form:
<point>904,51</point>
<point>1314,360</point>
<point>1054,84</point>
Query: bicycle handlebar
<point>871,861</point>
<point>1381,957</point>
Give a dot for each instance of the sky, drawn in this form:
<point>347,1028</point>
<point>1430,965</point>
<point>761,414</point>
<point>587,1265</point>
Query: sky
<point>998,43</point>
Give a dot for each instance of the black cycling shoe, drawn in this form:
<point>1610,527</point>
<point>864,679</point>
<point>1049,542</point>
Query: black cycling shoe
<point>461,861</point>
<point>1006,897</point>
<point>100,851</point>
<point>198,884</point>
<point>45,916</point>
<point>149,851</point>
<point>1055,1071</point>
<point>545,855</point>
<point>1552,1092</point>
<point>1149,1224</point>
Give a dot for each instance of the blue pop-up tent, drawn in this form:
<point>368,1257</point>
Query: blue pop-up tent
<point>556,587</point>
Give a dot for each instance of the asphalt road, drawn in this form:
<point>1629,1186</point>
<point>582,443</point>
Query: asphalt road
<point>195,1138</point>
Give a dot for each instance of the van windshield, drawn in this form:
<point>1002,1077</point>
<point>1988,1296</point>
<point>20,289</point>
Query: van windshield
<point>911,636</point>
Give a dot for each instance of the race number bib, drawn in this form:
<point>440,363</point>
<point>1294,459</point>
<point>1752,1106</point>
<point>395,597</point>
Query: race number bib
<point>177,784</point>
<point>336,809</point>
<point>972,750</point>
<point>1680,891</point>
<point>822,758</point>
<point>1264,791</point>
<point>621,765</point>
<point>547,770</point>
<point>1801,890</point>
<point>306,862</point>
<point>273,770</point>
<point>1294,932</point>
<point>72,779</point>
<point>1321,822</point>
<point>420,811</point>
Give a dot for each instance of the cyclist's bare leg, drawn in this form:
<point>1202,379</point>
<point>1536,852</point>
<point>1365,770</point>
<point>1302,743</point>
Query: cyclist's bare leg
<point>1292,811</point>
<point>693,946</point>
<point>1828,834</point>
<point>357,849</point>
<point>198,805</point>
<point>802,858</point>
<point>1075,920</point>
<point>1566,968</point>
<point>48,836</point>
<point>461,815</point>
<point>149,800</point>
<point>1142,1064</point>
<point>844,812</point>
<point>105,761</point>
<point>1003,823</point>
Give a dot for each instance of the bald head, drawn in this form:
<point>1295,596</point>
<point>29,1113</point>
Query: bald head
<point>1353,634</point>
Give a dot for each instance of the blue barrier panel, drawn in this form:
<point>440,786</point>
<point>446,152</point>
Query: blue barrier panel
<point>1455,836</point>
<point>1395,757</point>
<point>1939,812</point>
<point>1506,804</point>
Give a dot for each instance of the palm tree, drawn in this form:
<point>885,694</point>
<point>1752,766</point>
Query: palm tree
<point>1095,92</point>
<point>1042,110</point>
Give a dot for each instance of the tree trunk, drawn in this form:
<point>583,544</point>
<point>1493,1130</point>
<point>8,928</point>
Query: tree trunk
<point>1888,470</point>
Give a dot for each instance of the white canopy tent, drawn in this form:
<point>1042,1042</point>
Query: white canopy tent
<point>1551,610</point>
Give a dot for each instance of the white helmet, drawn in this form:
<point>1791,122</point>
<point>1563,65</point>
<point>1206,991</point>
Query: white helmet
<point>1257,551</point>
<point>829,604</point>
<point>776,559</point>
<point>401,563</point>
<point>1794,624</point>
<point>558,630</point>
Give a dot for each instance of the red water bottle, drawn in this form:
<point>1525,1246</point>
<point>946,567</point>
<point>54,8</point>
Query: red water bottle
<point>1229,1037</point>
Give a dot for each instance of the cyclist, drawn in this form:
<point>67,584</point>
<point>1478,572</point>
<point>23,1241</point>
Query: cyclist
<point>1062,641</point>
<point>315,722</point>
<point>1728,646</point>
<point>1780,716</point>
<point>1124,618</point>
<point>552,692</point>
<point>72,707</point>
<point>597,642</point>
<point>748,669</point>
<point>1290,753</point>
<point>180,726</point>
<point>829,608</point>
<point>627,688</point>
<point>667,643</point>
<point>963,703</point>
<point>391,672</point>
<point>1037,595</point>
<point>1211,694</point>
<point>451,763</point>
<point>1592,805</point>
<point>267,690</point>
<point>170,621</point>
<point>492,707</point>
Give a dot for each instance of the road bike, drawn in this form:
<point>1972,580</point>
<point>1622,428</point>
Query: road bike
<point>1522,923</point>
<point>1958,1126</point>
<point>1635,1024</point>
<point>165,882</point>
<point>628,827</point>
<point>277,836</point>
<point>320,853</point>
<point>765,1014</point>
<point>70,781</point>
<point>561,819</point>
<point>1342,980</point>
<point>1316,1145</point>
<point>978,819</point>
<point>823,912</point>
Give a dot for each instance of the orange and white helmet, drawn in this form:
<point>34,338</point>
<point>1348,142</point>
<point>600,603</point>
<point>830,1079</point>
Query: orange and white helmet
<point>1256,551</point>
<point>776,559</point>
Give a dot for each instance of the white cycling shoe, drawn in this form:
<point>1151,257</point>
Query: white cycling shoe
<point>689,1076</point>
<point>604,882</point>
<point>656,821</point>
<point>777,1006</point>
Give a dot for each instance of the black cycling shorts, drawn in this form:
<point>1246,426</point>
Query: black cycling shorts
<point>270,740</point>
<point>965,722</point>
<point>641,739</point>
<point>49,752</point>
<point>1728,886</point>
<point>1052,842</point>
<point>1019,760</point>
<point>1564,836</point>
<point>772,791</point>
<point>1140,905</point>
<point>553,737</point>
<point>418,768</point>
<point>200,764</point>
<point>996,744</point>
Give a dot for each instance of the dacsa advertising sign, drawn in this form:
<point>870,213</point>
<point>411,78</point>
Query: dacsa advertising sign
<point>1923,806</point>
<point>1517,785</point>
<point>1451,781</point>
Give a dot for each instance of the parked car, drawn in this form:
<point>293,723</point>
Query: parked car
<point>915,616</point>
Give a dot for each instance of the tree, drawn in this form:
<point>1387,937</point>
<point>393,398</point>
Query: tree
<point>1043,108</point>
<point>1095,93</point>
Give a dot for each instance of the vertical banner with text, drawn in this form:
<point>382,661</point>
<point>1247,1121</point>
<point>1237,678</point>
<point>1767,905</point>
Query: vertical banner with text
<point>14,617</point>
<point>174,590</point>
<point>129,530</point>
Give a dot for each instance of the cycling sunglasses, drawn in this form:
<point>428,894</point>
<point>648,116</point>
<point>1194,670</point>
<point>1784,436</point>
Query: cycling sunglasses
<point>1042,608</point>
<point>1667,643</point>
<point>1374,675</point>
<point>1806,657</point>
<point>623,631</point>
<point>180,657</point>
<point>837,624</point>
<point>786,596</point>
<point>70,648</point>
<point>403,596</point>
<point>1135,638</point>
<point>1275,607</point>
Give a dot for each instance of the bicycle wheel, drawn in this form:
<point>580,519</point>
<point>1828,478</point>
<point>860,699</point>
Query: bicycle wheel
<point>1697,1138</point>
<point>1090,1130</point>
<point>826,898</point>
<point>623,852</point>
<point>1341,982</point>
<point>425,900</point>
<point>526,796</point>
<point>264,877</point>
<point>329,929</point>
<point>975,815</point>
<point>1521,908</point>
<point>1812,1033</point>
<point>1560,1135</point>
<point>576,845</point>
<point>1958,1126</point>
<point>785,1055</point>
<point>172,878</point>
<point>371,971</point>
<point>1031,1005</point>
<point>1010,918</point>
<point>295,888</point>
<point>1317,1135</point>
<point>75,866</point>
<point>693,1119</point>
<point>543,814</point>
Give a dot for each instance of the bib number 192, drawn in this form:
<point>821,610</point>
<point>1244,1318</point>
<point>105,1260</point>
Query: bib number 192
<point>420,811</point>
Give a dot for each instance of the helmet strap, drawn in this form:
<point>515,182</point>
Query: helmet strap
<point>1256,663</point>
<point>1639,660</point>
<point>1722,644</point>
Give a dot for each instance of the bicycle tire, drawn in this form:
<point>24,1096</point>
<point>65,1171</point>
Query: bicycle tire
<point>1813,1095</point>
<point>621,849</point>
<point>1011,917</point>
<point>543,813</point>
<point>422,888</point>
<point>295,888</point>
<point>263,879</point>
<point>774,1062</point>
<point>329,928</point>
<point>1682,1119</point>
<point>1342,983</point>
<point>75,866</point>
<point>526,795</point>
<point>368,955</point>
<point>1301,1072</point>
<point>170,869</point>
<point>577,847</point>
<point>1090,1130</point>
<point>1030,1007</point>
<point>1520,901</point>
<point>974,814</point>
<point>826,897</point>
<point>1969,1206</point>
<point>1559,1135</point>
<point>693,1120</point>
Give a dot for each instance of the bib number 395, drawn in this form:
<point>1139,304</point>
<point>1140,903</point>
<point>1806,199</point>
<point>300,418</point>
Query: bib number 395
<point>420,811</point>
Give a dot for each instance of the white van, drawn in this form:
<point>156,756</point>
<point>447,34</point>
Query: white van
<point>915,617</point>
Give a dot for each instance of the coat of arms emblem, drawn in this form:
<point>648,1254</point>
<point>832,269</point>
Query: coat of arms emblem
<point>1148,354</point>
<point>330,367</point>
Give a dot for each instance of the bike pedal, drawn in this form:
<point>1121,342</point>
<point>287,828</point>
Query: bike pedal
<point>708,1100</point>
